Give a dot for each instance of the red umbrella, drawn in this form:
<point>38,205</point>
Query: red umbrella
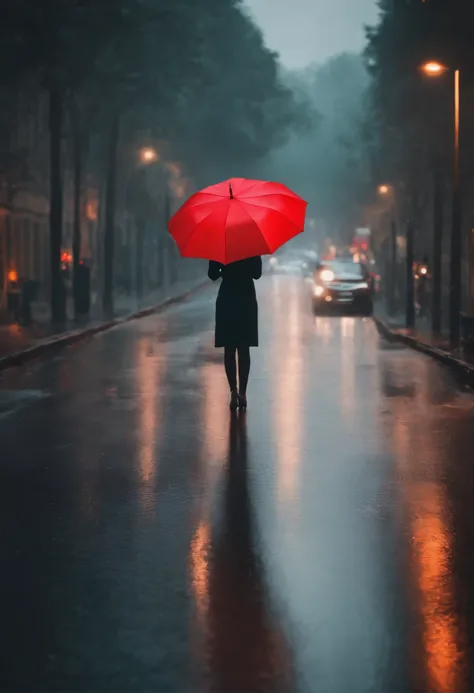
<point>237,219</point>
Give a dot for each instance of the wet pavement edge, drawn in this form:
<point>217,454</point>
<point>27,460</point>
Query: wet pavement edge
<point>69,338</point>
<point>463,370</point>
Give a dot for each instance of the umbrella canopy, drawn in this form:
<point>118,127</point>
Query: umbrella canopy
<point>237,219</point>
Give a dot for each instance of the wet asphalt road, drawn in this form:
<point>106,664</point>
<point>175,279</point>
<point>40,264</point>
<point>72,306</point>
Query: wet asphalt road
<point>151,542</point>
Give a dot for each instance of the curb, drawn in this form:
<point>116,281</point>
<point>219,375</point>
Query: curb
<point>68,338</point>
<point>462,369</point>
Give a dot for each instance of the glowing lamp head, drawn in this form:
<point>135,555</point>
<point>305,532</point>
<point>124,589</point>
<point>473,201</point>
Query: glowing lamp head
<point>148,155</point>
<point>433,69</point>
<point>384,189</point>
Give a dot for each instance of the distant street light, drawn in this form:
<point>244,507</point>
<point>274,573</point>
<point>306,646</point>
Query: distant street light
<point>148,155</point>
<point>435,69</point>
<point>383,189</point>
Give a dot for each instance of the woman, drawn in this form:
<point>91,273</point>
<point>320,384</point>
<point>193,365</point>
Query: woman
<point>237,321</point>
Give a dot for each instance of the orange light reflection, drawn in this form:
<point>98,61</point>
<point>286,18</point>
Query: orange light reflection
<point>288,363</point>
<point>199,564</point>
<point>417,461</point>
<point>149,374</point>
<point>214,442</point>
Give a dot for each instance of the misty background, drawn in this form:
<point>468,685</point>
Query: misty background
<point>112,114</point>
<point>320,46</point>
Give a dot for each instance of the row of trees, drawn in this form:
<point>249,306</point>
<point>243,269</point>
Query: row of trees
<point>194,75</point>
<point>375,118</point>
<point>411,115</point>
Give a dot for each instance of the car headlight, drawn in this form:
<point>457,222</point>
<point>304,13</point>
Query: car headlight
<point>318,290</point>
<point>327,275</point>
<point>364,285</point>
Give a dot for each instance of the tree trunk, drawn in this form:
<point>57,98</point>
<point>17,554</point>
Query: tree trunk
<point>161,259</point>
<point>76,243</point>
<point>5,262</point>
<point>170,255</point>
<point>393,269</point>
<point>410,290</point>
<point>438,211</point>
<point>109,234</point>
<point>140,230</point>
<point>58,302</point>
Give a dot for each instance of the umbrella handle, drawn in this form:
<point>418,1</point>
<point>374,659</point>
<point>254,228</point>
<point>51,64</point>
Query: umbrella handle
<point>230,191</point>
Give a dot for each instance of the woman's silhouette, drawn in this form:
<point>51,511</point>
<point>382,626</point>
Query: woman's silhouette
<point>247,650</point>
<point>237,320</point>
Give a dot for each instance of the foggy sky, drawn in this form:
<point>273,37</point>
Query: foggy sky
<point>306,31</point>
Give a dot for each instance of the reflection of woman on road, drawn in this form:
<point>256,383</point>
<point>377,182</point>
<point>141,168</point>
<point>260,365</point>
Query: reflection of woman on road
<point>247,651</point>
<point>237,320</point>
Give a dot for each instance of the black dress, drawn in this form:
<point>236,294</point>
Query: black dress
<point>236,305</point>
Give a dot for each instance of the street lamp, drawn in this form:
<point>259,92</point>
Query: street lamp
<point>148,155</point>
<point>383,189</point>
<point>436,69</point>
<point>433,69</point>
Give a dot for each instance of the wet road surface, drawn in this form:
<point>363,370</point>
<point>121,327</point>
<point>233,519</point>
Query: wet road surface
<point>152,542</point>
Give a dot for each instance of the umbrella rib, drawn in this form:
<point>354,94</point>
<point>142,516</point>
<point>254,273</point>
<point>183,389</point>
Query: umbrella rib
<point>199,203</point>
<point>277,211</point>
<point>255,185</point>
<point>278,194</point>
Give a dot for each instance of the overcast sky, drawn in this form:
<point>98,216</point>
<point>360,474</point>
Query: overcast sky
<point>304,31</point>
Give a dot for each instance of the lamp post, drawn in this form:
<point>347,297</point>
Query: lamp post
<point>388,192</point>
<point>436,69</point>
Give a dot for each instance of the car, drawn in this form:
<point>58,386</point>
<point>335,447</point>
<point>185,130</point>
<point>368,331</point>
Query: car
<point>342,285</point>
<point>288,263</point>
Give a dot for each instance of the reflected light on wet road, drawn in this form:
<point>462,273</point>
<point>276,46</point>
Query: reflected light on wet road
<point>214,451</point>
<point>440,662</point>
<point>323,329</point>
<point>216,395</point>
<point>287,362</point>
<point>196,571</point>
<point>199,563</point>
<point>432,557</point>
<point>347,381</point>
<point>148,372</point>
<point>150,360</point>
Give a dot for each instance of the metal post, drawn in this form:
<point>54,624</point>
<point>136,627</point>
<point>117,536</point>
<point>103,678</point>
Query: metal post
<point>393,269</point>
<point>456,245</point>
<point>410,295</point>
<point>5,257</point>
<point>438,203</point>
<point>471,270</point>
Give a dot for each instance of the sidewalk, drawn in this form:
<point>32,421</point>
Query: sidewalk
<point>423,333</point>
<point>460,361</point>
<point>14,338</point>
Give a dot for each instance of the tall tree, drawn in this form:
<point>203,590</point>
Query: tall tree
<point>47,37</point>
<point>411,114</point>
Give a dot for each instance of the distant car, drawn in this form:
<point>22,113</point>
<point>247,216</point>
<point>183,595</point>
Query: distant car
<point>342,285</point>
<point>287,264</point>
<point>272,264</point>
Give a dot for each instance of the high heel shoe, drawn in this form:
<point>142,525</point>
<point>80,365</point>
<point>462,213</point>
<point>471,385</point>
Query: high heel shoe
<point>242,402</point>
<point>234,400</point>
